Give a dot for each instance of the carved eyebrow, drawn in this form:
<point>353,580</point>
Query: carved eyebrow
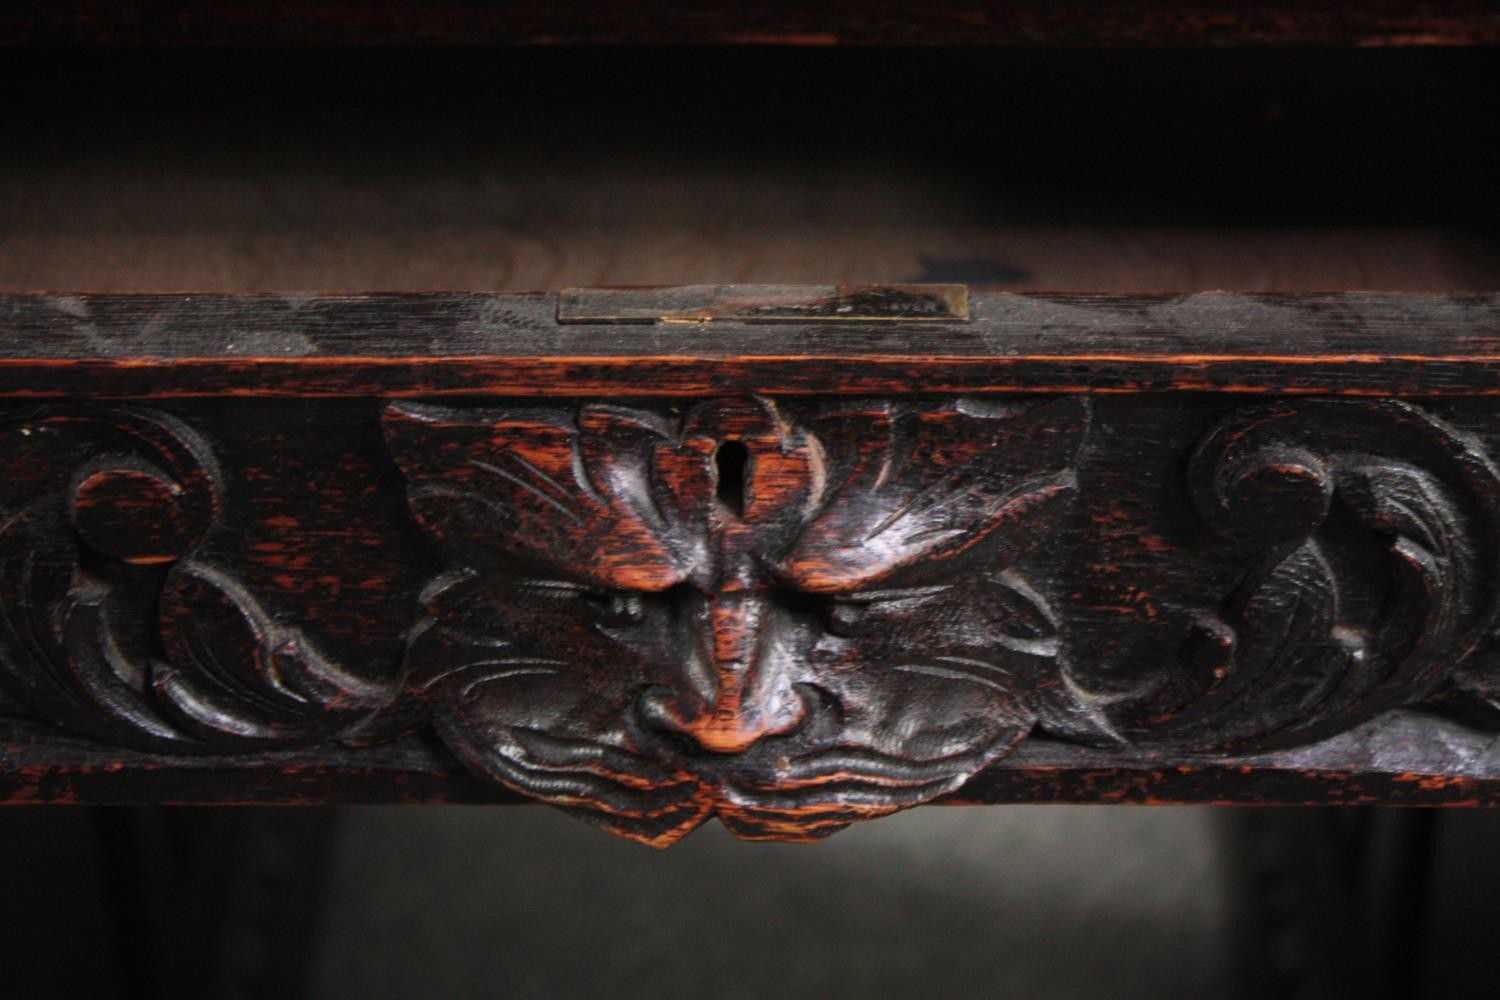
<point>894,593</point>
<point>560,586</point>
<point>951,675</point>
<point>556,588</point>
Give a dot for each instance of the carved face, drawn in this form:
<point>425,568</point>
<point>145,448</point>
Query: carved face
<point>788,620</point>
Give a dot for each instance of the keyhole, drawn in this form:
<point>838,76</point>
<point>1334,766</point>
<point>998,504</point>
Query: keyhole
<point>731,463</point>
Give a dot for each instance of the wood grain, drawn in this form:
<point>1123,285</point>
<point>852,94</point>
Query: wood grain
<point>469,344</point>
<point>785,613</point>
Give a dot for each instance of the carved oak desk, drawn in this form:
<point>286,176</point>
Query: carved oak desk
<point>784,557</point>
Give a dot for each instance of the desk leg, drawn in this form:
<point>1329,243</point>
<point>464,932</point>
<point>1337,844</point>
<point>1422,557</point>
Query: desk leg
<point>1330,903</point>
<point>220,902</point>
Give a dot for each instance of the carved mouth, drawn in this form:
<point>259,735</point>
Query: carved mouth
<point>659,802</point>
<point>610,787</point>
<point>815,811</point>
<point>822,793</point>
<point>656,786</point>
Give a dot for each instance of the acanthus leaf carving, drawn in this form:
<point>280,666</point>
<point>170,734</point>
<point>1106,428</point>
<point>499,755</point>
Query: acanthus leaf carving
<point>1375,575</point>
<point>113,627</point>
<point>785,615</point>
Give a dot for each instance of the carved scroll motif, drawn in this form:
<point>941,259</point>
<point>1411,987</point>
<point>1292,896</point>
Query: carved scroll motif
<point>793,618</point>
<point>1369,556</point>
<point>787,618</point>
<point>112,626</point>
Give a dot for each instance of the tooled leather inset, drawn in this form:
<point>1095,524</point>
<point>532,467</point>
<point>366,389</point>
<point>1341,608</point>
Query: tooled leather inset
<point>791,618</point>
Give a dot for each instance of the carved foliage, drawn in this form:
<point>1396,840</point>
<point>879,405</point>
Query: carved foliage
<point>1365,536</point>
<point>788,616</point>
<point>790,619</point>
<point>111,625</point>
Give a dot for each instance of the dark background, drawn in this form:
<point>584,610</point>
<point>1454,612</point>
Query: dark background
<point>1097,170</point>
<point>1072,902</point>
<point>1100,170</point>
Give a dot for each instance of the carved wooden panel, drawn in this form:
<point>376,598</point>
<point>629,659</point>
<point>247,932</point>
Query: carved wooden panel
<point>784,611</point>
<point>788,617</point>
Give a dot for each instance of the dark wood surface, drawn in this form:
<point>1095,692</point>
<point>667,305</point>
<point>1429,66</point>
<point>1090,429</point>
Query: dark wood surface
<point>466,344</point>
<point>1201,548</point>
<point>819,22</point>
<point>1404,759</point>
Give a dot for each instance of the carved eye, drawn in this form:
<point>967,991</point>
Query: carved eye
<point>615,609</point>
<point>853,614</point>
<point>844,615</point>
<point>611,608</point>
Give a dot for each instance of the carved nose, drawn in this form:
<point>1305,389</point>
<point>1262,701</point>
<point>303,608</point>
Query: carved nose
<point>742,693</point>
<point>717,731</point>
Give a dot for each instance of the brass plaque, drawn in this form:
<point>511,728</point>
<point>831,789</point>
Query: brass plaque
<point>765,304</point>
